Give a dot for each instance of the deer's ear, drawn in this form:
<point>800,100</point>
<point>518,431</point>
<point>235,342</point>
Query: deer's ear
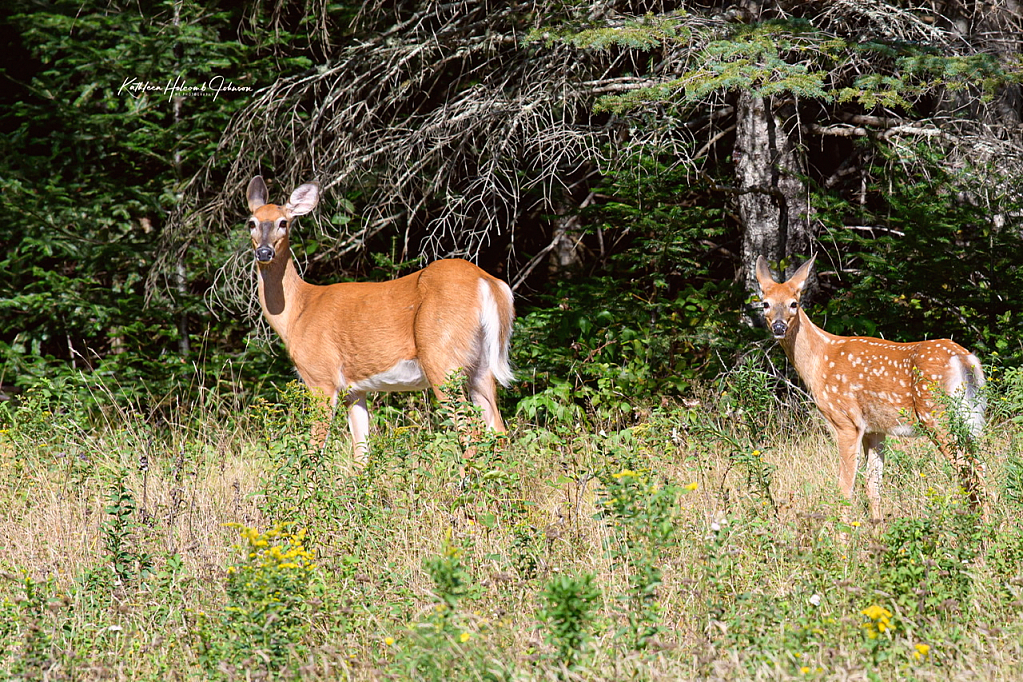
<point>303,199</point>
<point>256,194</point>
<point>763,273</point>
<point>798,280</point>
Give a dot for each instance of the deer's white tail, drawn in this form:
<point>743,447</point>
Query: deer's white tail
<point>968,387</point>
<point>497,329</point>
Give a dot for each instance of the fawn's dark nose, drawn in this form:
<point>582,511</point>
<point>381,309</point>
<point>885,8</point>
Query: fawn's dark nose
<point>265,254</point>
<point>778,328</point>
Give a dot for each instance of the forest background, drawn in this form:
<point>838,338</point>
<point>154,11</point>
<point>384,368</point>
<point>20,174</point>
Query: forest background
<point>620,164</point>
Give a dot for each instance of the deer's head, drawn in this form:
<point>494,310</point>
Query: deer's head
<point>780,301</point>
<point>269,223</point>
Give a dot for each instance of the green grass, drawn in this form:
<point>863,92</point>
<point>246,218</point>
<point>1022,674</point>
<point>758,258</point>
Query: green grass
<point>704,539</point>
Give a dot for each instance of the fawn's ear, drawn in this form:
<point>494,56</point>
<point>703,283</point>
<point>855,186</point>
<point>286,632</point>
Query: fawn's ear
<point>763,272</point>
<point>798,280</point>
<point>256,194</point>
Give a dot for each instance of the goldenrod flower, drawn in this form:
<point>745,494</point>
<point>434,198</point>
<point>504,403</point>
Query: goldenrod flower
<point>875,612</point>
<point>879,620</point>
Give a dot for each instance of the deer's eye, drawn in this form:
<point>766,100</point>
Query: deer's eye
<point>283,225</point>
<point>794,305</point>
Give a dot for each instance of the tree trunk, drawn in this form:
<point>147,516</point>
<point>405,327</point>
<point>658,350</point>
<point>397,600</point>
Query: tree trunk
<point>772,199</point>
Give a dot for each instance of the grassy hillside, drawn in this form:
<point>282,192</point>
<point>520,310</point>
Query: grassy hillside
<point>704,539</point>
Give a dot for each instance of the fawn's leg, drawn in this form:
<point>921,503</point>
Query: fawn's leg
<point>849,438</point>
<point>873,446</point>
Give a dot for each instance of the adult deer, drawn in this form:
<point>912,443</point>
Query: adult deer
<point>408,334</point>
<point>869,388</point>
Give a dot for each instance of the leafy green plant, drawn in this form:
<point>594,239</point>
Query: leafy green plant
<point>272,598</point>
<point>30,622</point>
<point>301,486</point>
<point>749,398</point>
<point>642,510</point>
<point>131,563</point>
<point>446,644</point>
<point>878,631</point>
<point>926,562</point>
<point>919,215</point>
<point>567,609</point>
<point>452,582</point>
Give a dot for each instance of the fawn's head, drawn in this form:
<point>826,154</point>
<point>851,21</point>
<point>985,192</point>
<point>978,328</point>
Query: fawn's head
<point>269,223</point>
<point>781,301</point>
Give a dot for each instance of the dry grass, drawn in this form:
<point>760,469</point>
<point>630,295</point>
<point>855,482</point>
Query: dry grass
<point>737,579</point>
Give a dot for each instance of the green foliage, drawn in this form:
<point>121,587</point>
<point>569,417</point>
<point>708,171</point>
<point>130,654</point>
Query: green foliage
<point>451,582</point>
<point>1005,556</point>
<point>760,59</point>
<point>1012,488</point>
<point>567,610</point>
<point>643,513</point>
<point>272,598</point>
<point>300,486</point>
<point>1005,400</point>
<point>131,564</point>
<point>644,33</point>
<point>922,217</point>
<point>748,428</point>
<point>94,164</point>
<point>35,659</point>
<point>443,646</point>
<point>792,57</point>
<point>654,318</point>
<point>920,70</point>
<point>926,561</point>
<point>614,562</point>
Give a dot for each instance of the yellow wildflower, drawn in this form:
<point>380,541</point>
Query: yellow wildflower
<point>464,637</point>
<point>879,620</point>
<point>389,641</point>
<point>921,651</point>
<point>875,612</point>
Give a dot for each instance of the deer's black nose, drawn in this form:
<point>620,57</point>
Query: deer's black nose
<point>778,328</point>
<point>265,254</point>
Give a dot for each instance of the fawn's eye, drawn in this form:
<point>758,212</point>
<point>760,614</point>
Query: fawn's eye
<point>794,305</point>
<point>766,305</point>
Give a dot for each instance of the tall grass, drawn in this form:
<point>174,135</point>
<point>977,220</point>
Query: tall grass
<point>700,540</point>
